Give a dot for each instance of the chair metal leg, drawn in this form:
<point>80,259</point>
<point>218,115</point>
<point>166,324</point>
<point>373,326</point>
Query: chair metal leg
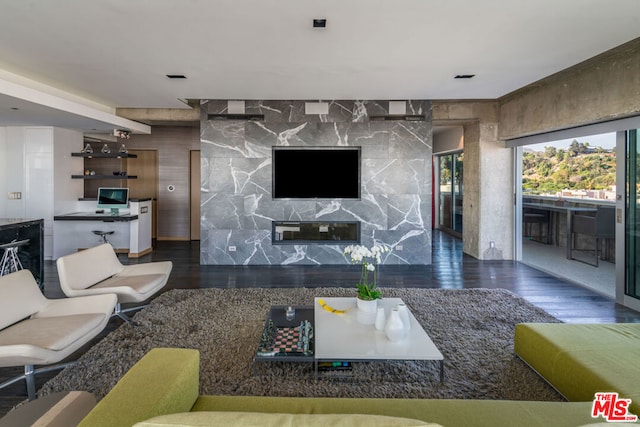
<point>29,377</point>
<point>119,312</point>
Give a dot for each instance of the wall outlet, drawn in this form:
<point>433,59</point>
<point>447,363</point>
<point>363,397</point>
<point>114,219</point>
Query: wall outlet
<point>399,247</point>
<point>232,248</point>
<point>15,195</point>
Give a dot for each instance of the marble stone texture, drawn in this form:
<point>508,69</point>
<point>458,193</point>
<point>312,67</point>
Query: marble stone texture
<point>237,208</point>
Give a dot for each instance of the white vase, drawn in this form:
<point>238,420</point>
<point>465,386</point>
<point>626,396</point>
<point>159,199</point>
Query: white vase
<point>404,315</point>
<point>395,328</point>
<point>367,306</point>
<point>381,319</point>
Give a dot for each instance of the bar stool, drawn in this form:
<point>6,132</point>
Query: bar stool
<point>10,262</point>
<point>103,234</point>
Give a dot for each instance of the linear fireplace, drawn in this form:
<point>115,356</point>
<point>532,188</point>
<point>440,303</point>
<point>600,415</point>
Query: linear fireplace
<point>314,232</point>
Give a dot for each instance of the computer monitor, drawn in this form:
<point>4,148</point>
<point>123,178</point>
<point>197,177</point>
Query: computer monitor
<point>113,198</point>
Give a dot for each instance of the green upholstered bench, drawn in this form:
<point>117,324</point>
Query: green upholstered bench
<point>582,359</point>
<point>166,381</point>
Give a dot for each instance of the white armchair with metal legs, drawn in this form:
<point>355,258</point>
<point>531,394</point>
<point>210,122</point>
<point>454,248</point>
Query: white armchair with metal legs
<point>98,270</point>
<point>35,330</point>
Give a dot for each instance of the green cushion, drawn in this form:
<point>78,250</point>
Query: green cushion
<point>447,412</point>
<point>243,419</point>
<point>164,381</point>
<point>582,359</point>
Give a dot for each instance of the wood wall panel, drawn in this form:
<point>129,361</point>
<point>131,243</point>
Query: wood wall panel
<point>173,145</point>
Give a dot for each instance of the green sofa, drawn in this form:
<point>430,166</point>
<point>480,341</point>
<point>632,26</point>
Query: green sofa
<point>582,359</point>
<point>165,383</point>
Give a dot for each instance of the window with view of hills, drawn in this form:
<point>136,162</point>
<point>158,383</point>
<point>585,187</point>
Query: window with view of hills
<point>582,168</point>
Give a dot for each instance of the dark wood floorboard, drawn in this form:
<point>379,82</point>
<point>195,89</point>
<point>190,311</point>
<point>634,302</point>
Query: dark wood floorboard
<point>450,269</point>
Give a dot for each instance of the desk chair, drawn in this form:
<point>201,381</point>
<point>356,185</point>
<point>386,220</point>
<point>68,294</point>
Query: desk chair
<point>10,262</point>
<point>103,234</point>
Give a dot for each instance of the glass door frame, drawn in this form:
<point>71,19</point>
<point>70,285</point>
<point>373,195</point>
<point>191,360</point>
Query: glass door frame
<point>455,195</point>
<point>625,268</point>
<point>620,126</point>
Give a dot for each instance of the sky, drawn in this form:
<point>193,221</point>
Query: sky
<point>604,140</point>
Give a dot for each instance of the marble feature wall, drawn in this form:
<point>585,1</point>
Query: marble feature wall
<point>236,204</point>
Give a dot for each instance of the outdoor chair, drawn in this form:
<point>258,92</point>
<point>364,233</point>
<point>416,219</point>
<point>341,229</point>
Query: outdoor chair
<point>531,216</point>
<point>600,227</point>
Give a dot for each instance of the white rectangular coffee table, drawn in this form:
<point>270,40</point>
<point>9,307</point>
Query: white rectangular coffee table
<point>343,337</point>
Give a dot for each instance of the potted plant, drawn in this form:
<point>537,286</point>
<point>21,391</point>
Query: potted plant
<point>366,289</point>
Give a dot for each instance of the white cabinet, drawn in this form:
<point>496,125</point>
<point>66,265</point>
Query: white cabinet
<point>41,157</point>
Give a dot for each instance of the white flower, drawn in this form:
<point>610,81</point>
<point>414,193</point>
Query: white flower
<point>371,267</point>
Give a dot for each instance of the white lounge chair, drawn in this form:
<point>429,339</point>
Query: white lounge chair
<point>97,270</point>
<point>35,330</point>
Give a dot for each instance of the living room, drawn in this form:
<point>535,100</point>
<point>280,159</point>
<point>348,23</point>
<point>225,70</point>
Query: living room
<point>235,127</point>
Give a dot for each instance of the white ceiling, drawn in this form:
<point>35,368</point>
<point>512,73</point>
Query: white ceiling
<point>117,52</point>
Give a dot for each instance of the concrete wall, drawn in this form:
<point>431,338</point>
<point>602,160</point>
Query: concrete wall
<point>602,88</point>
<point>488,178</point>
<point>236,202</point>
<point>448,140</point>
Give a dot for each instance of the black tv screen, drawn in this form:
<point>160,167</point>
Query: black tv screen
<point>316,173</point>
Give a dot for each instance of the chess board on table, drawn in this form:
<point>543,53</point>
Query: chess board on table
<point>282,340</point>
<point>286,339</point>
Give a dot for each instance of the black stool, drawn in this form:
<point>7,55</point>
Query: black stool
<point>103,234</point>
<point>10,262</point>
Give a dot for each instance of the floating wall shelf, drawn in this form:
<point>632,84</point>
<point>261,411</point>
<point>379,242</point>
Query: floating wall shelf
<point>105,155</point>
<point>104,176</point>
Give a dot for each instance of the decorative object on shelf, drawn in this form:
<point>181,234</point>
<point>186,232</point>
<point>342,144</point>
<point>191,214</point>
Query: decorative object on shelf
<point>92,172</point>
<point>122,134</point>
<point>87,149</point>
<point>367,287</point>
<point>120,173</point>
<point>394,329</point>
<point>404,315</point>
<point>87,172</point>
<point>123,149</point>
<point>106,149</point>
<point>381,319</point>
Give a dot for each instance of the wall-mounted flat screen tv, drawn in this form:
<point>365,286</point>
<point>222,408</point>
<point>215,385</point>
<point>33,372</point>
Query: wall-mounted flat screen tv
<point>316,173</point>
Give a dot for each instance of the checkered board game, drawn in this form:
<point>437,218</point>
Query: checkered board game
<point>286,340</point>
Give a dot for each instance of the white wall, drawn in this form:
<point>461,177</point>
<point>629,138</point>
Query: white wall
<point>3,168</point>
<point>13,174</point>
<point>66,190</point>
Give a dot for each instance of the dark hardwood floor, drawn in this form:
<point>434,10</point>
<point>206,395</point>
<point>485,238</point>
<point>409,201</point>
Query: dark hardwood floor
<point>450,269</point>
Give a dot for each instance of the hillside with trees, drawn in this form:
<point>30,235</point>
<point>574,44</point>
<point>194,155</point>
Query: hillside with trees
<point>578,167</point>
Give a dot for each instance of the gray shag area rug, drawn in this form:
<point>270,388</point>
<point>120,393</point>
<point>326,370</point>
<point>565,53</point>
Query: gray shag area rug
<point>473,328</point>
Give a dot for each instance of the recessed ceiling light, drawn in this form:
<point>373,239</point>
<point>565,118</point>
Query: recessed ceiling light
<point>15,108</point>
<point>464,76</point>
<point>176,76</point>
<point>319,23</point>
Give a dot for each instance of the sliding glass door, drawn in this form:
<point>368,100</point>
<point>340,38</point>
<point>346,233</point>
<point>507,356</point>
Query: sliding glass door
<point>632,230</point>
<point>450,214</point>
